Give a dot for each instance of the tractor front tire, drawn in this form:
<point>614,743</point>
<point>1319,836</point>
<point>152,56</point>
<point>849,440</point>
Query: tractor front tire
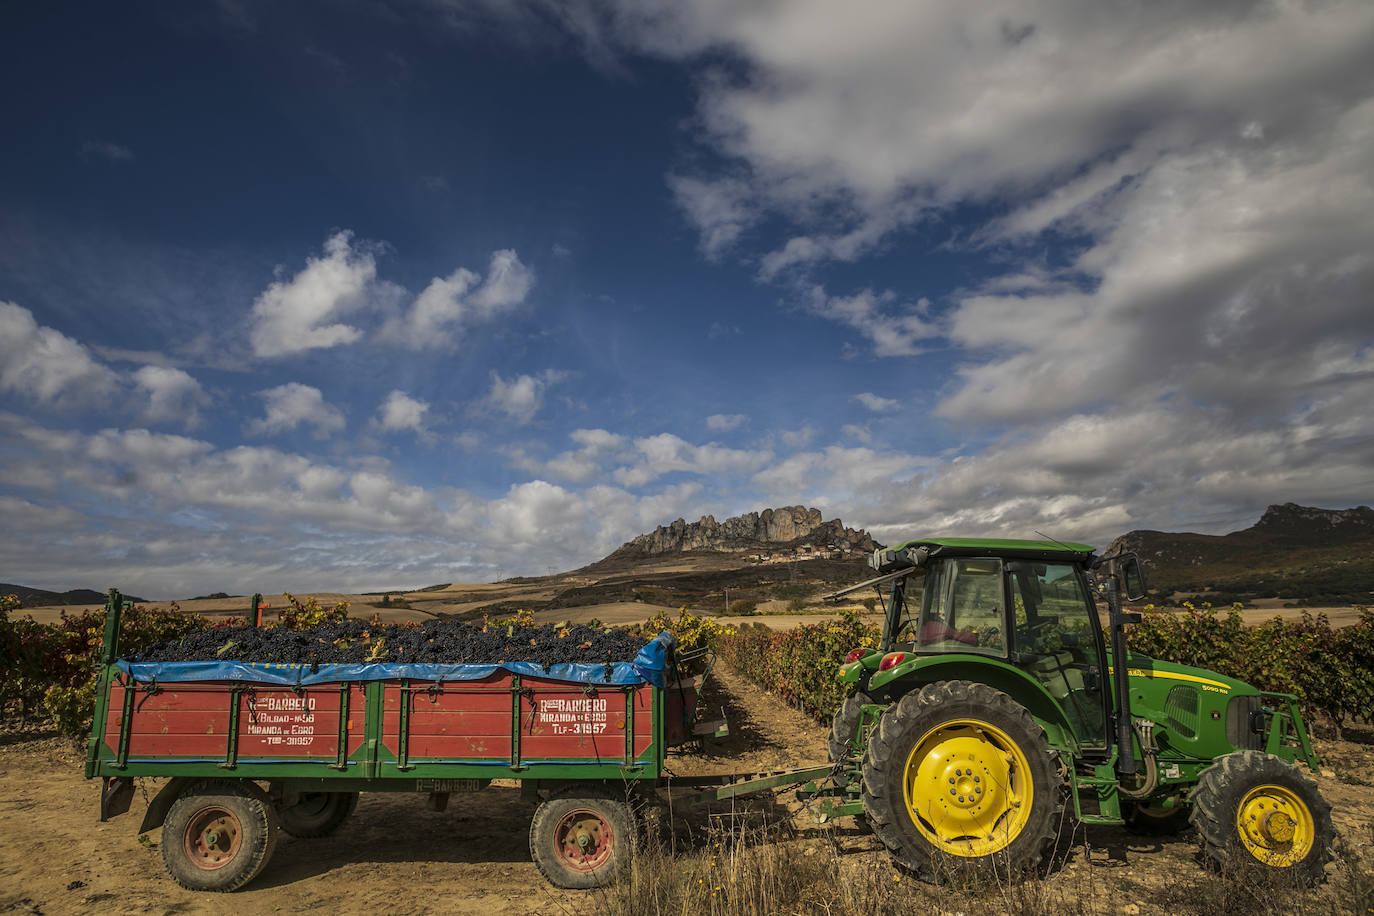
<point>582,841</point>
<point>218,835</point>
<point>959,775</point>
<point>317,814</point>
<point>845,725</point>
<point>1253,809</point>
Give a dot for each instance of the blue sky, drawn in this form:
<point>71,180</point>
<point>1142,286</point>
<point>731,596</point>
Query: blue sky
<point>371,294</point>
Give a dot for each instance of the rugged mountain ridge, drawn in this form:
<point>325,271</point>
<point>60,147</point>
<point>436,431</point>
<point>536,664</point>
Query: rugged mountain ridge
<point>787,527</point>
<point>1309,554</point>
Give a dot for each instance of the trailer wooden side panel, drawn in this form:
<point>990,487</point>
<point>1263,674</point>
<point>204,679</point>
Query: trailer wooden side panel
<point>194,721</point>
<point>482,720</point>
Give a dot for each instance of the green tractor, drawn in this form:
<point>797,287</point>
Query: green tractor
<point>996,699</point>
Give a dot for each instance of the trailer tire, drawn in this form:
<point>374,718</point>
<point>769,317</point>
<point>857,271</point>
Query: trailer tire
<point>219,835</point>
<point>960,776</point>
<point>317,814</point>
<point>582,841</point>
<point>1253,810</point>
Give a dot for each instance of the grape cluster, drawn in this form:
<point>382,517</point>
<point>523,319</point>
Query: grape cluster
<point>434,642</point>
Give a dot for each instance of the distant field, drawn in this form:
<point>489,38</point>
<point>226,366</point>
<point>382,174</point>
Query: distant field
<point>468,599</point>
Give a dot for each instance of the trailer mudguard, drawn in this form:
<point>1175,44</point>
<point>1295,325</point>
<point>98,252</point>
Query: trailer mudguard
<point>918,671</point>
<point>162,802</point>
<point>115,797</point>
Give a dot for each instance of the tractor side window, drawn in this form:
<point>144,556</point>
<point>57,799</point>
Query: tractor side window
<point>1055,640</point>
<point>961,608</point>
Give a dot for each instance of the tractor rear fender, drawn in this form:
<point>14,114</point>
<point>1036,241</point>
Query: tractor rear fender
<point>162,801</point>
<point>916,672</point>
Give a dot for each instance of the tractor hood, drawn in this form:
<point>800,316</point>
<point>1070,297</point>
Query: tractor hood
<point>1149,676</point>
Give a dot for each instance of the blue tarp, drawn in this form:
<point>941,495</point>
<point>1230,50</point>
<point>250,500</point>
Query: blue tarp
<point>647,667</point>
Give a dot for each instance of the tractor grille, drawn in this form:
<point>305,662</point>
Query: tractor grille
<point>1181,709</point>
<point>1238,731</point>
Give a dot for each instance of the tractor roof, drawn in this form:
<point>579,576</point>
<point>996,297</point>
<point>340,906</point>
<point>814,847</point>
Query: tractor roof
<point>1001,547</point>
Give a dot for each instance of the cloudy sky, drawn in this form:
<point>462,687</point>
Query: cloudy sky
<point>384,293</point>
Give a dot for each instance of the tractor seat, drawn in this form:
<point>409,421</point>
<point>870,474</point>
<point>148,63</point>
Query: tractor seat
<point>1054,672</point>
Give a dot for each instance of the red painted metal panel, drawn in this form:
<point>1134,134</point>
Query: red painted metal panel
<point>281,723</point>
<point>192,721</point>
<point>558,720</point>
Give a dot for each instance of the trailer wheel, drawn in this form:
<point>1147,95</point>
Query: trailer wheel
<point>582,842</point>
<point>958,774</point>
<point>1253,809</point>
<point>218,835</point>
<point>317,814</point>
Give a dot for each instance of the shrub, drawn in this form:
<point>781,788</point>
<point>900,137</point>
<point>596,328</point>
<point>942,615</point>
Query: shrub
<point>303,615</point>
<point>744,607</point>
<point>800,664</point>
<point>691,631</point>
<point>73,660</point>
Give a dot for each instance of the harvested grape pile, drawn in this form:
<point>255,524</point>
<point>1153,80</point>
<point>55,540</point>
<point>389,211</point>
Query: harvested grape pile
<point>434,642</point>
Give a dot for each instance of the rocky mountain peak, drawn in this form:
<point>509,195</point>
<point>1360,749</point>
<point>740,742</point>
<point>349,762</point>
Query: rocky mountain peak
<point>1293,519</point>
<point>771,528</point>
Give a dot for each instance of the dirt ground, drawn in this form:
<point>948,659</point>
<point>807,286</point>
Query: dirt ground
<point>397,856</point>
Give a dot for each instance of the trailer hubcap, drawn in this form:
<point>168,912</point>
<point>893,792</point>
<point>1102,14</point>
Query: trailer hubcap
<point>1275,826</point>
<point>584,840</point>
<point>968,788</point>
<point>213,836</point>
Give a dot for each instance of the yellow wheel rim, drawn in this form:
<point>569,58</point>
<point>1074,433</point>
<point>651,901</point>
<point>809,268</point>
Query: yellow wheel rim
<point>1275,826</point>
<point>968,788</point>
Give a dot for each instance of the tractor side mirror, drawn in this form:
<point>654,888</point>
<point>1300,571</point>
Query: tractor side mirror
<point>1132,577</point>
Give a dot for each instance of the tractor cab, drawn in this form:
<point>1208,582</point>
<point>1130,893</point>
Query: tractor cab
<point>1027,603</point>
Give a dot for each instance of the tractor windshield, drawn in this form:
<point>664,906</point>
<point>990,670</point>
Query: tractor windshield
<point>960,609</point>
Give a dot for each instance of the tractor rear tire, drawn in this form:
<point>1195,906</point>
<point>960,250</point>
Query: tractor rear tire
<point>218,835</point>
<point>317,814</point>
<point>1254,810</point>
<point>582,841</point>
<point>959,776</point>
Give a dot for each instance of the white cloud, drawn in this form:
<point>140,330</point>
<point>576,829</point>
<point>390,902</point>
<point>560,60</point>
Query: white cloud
<point>521,398</point>
<point>892,328</point>
<point>667,453</point>
<point>597,448</point>
<point>799,438</point>
<point>877,403</point>
<point>46,365</point>
<point>840,116</point>
<point>402,412</point>
<point>721,210</point>
<point>292,405</point>
<point>448,304</point>
<point>172,395</point>
<point>859,433</point>
<point>301,313</point>
<point>1239,280</point>
<point>724,422</point>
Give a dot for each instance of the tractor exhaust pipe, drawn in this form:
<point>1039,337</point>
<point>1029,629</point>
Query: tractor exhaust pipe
<point>1121,679</point>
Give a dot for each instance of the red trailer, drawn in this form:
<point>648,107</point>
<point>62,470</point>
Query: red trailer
<point>251,748</point>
